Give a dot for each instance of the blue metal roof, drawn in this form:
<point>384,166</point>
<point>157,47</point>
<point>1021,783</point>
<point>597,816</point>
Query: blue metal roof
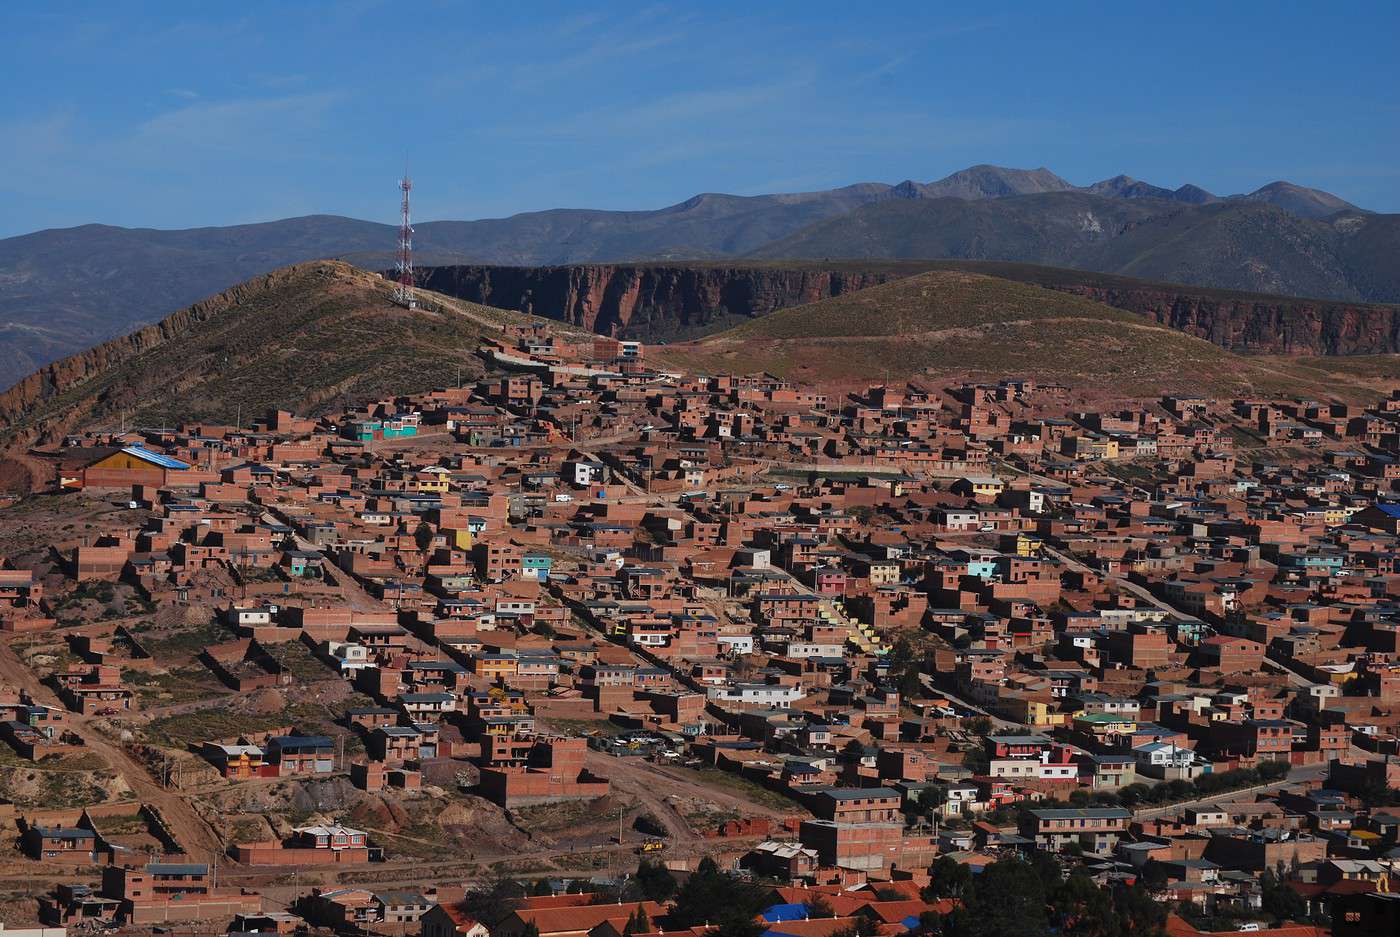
<point>785,912</point>
<point>155,458</point>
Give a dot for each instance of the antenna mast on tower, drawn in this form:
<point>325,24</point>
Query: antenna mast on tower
<point>403,293</point>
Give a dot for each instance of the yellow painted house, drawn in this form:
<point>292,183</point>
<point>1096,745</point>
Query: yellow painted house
<point>1029,710</point>
<point>496,666</point>
<point>1102,724</point>
<point>1027,546</point>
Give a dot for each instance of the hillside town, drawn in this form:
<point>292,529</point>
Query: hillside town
<point>600,647</point>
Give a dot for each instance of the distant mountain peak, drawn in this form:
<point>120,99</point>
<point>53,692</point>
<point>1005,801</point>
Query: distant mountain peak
<point>987,181</point>
<point>1300,200</point>
<point>1194,195</point>
<point>1122,186</point>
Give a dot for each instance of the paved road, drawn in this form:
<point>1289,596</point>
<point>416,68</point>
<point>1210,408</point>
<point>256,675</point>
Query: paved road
<point>1302,775</point>
<point>1121,582</point>
<point>997,721</point>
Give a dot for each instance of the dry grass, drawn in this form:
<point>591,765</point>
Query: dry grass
<point>950,324</point>
<point>314,338</point>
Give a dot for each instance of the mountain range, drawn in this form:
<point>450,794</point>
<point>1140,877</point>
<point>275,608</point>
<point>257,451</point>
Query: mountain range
<point>64,290</point>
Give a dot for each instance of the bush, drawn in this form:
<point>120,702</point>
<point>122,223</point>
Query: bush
<point>711,896</point>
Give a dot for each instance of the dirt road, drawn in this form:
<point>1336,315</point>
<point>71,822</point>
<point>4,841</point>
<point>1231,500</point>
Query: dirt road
<point>189,829</point>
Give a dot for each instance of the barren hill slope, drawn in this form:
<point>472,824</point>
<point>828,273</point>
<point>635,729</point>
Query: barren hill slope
<point>307,337</point>
<point>950,323</point>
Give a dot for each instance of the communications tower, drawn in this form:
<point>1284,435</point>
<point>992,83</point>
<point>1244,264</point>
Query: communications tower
<point>403,293</point>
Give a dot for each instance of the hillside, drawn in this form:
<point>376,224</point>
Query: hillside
<point>1242,244</point>
<point>1241,321</point>
<point>310,337</point>
<point>64,290</point>
<point>668,302</point>
<point>951,323</point>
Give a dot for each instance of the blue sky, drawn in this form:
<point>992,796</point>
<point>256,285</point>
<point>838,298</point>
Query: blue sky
<point>178,115</point>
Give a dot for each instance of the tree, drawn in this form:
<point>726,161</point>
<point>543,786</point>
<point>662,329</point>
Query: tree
<point>1048,869</point>
<point>1132,794</point>
<point>818,908</point>
<point>637,923</point>
<point>1080,908</point>
<point>423,536</point>
<point>1139,914</point>
<point>489,901</point>
<point>1154,874</point>
<point>541,887</point>
<point>1180,789</point>
<point>710,896</point>
<point>655,881</point>
<point>930,922</point>
<point>1007,900</point>
<point>948,878</point>
<point>910,686</point>
<point>1374,793</point>
<point>1278,900</point>
<point>976,761</point>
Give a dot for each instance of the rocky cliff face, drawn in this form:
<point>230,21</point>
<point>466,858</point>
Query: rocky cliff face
<point>650,301</point>
<point>1257,324</point>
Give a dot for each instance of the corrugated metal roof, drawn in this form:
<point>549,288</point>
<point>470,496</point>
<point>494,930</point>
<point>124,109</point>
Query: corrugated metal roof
<point>155,458</point>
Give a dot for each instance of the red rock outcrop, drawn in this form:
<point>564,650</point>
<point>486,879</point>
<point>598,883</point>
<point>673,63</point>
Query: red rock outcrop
<point>667,301</point>
<point>650,301</point>
<point>1257,324</point>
